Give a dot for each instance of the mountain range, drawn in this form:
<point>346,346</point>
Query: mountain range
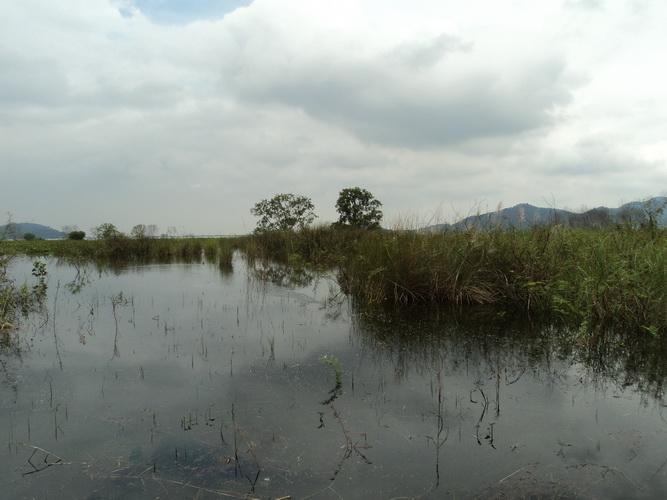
<point>525,216</point>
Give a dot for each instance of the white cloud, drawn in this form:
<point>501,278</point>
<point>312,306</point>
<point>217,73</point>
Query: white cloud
<point>432,106</point>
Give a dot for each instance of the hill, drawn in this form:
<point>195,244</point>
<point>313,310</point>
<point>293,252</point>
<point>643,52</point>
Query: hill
<point>524,216</point>
<point>17,230</point>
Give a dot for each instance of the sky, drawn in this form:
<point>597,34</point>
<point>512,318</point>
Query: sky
<point>185,114</point>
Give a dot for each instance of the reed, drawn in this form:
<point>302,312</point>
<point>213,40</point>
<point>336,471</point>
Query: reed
<point>586,278</point>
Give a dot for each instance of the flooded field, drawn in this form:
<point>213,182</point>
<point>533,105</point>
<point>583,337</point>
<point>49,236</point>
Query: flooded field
<point>195,381</point>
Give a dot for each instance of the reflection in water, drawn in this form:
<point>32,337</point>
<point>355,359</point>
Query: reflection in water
<point>419,337</point>
<point>82,276</point>
<point>495,354</point>
<point>283,274</point>
<point>188,380</point>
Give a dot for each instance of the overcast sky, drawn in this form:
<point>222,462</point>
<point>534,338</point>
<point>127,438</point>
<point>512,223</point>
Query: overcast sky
<point>186,113</point>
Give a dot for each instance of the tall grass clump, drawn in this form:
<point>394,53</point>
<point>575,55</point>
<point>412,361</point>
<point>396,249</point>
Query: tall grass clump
<point>587,278</point>
<point>622,277</point>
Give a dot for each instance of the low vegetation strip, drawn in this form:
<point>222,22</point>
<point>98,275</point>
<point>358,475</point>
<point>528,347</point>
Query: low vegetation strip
<point>121,248</point>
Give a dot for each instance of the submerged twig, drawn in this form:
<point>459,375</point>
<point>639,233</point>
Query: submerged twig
<point>58,460</point>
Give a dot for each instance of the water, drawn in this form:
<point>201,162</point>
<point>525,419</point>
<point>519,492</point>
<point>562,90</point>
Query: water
<point>191,381</point>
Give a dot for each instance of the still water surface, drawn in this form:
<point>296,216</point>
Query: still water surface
<point>191,381</point>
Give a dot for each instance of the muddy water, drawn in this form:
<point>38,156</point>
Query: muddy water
<point>191,381</point>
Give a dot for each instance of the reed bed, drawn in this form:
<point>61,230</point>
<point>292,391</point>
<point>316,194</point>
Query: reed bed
<point>588,279</point>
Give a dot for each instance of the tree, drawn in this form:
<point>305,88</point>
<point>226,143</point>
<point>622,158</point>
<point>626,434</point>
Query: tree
<point>283,212</point>
<point>142,231</point>
<point>76,235</point>
<point>106,231</point>
<point>358,208</point>
<point>29,236</point>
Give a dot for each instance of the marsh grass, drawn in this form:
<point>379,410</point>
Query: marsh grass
<point>585,278</point>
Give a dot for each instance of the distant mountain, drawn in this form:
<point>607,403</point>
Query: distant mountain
<point>17,230</point>
<point>525,216</point>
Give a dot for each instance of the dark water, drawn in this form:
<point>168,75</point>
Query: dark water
<point>190,381</point>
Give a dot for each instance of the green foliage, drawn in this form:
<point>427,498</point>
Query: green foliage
<point>29,236</point>
<point>336,365</point>
<point>39,272</point>
<point>283,212</point>
<point>76,235</point>
<point>358,209</point>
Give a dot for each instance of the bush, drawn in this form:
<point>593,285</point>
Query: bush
<point>76,235</point>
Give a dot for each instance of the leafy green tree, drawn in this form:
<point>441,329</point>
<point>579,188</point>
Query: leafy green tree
<point>358,208</point>
<point>284,212</point>
<point>76,235</point>
<point>29,236</point>
<point>106,231</point>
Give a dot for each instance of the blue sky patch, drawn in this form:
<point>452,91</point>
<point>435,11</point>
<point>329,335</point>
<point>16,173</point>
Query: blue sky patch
<point>185,11</point>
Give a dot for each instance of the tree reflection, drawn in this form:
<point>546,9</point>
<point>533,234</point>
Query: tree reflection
<point>283,274</point>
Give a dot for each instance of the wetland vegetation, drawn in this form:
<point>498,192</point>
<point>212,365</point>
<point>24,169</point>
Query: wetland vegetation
<point>585,279</point>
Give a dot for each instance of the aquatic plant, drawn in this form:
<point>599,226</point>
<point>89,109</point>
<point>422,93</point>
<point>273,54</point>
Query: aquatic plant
<point>337,367</point>
<point>19,300</point>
